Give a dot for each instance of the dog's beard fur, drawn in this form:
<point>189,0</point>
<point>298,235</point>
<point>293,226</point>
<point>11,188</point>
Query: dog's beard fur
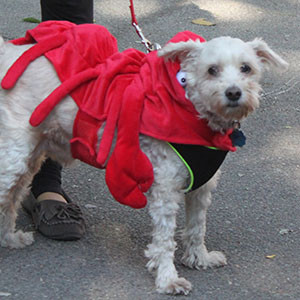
<point>214,107</point>
<point>22,147</point>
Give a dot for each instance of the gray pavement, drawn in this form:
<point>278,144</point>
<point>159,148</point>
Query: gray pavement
<point>255,211</point>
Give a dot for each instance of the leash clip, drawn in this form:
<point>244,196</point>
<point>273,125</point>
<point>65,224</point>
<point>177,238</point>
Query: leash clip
<point>149,46</point>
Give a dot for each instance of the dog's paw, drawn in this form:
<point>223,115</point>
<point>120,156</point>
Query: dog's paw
<point>204,259</point>
<point>18,239</point>
<point>178,286</point>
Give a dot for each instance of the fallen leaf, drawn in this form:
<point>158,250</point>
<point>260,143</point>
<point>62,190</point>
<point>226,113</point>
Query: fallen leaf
<point>271,256</point>
<point>31,20</point>
<point>203,22</point>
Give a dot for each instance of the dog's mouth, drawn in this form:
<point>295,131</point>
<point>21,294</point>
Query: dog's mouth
<point>233,104</point>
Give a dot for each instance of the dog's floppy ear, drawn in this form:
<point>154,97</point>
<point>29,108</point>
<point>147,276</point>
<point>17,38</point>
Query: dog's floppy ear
<point>179,50</point>
<point>267,56</point>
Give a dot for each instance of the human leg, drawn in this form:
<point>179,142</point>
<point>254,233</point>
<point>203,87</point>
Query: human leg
<point>47,201</point>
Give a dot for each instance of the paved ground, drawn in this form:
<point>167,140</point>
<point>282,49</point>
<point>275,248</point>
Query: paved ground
<point>255,212</point>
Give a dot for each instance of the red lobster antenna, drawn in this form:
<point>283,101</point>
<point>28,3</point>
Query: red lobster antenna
<point>149,46</point>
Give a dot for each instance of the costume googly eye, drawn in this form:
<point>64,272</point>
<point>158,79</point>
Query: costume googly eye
<point>181,77</point>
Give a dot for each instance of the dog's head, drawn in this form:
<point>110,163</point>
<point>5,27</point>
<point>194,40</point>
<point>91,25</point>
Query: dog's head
<point>222,75</point>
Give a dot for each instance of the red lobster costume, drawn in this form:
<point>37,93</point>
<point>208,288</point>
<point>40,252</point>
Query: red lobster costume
<point>129,92</point>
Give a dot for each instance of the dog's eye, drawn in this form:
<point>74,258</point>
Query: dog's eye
<point>181,77</point>
<point>213,70</point>
<point>245,68</point>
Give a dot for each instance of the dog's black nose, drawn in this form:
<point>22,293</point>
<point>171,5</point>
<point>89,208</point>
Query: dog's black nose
<point>233,93</point>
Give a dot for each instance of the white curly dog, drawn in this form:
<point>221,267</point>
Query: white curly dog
<point>214,70</point>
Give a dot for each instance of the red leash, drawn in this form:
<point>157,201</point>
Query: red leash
<point>149,46</point>
<point>133,18</point>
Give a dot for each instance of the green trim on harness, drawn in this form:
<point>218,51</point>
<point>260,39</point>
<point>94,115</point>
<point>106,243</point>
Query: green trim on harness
<point>202,162</point>
<point>212,148</point>
<point>187,166</point>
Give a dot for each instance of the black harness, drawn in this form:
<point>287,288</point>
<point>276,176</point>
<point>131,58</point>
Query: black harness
<point>202,162</point>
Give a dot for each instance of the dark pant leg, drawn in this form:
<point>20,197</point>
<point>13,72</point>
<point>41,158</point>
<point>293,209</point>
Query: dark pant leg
<point>76,11</point>
<point>48,179</point>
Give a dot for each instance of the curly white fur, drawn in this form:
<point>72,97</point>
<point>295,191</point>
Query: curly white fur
<point>212,68</point>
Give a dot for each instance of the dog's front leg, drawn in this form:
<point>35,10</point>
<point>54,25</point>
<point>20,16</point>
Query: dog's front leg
<point>163,205</point>
<point>196,254</point>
